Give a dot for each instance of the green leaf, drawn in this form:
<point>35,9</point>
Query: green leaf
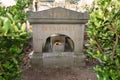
<point>15,28</point>
<point>2,30</point>
<point>8,15</point>
<point>15,61</point>
<point>117,62</point>
<point>1,78</point>
<point>6,25</point>
<point>16,17</point>
<point>6,64</point>
<point>23,27</point>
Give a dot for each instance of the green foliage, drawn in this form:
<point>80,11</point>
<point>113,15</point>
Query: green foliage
<point>104,33</point>
<point>12,37</point>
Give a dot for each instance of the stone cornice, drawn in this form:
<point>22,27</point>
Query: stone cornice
<point>58,15</point>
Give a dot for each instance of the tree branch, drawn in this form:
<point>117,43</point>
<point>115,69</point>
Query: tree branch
<point>1,69</point>
<point>114,47</point>
<point>98,45</point>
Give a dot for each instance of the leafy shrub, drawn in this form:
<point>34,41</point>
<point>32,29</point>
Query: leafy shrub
<point>104,38</point>
<point>12,36</point>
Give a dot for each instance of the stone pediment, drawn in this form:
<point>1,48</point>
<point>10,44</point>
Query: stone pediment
<point>57,14</point>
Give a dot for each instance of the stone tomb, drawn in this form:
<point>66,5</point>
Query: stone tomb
<point>58,35</point>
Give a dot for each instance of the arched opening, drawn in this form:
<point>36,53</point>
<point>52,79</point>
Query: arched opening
<point>58,43</point>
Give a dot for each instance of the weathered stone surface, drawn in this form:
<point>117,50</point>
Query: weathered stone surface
<point>58,59</point>
<point>58,21</point>
<point>58,15</point>
<point>42,31</point>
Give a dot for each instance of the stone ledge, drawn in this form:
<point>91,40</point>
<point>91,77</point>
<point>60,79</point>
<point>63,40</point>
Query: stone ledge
<point>56,21</point>
<point>66,59</point>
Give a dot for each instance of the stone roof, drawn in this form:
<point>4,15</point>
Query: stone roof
<point>58,15</point>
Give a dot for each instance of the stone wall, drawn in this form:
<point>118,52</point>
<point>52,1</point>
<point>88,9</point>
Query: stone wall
<point>58,21</point>
<point>42,31</point>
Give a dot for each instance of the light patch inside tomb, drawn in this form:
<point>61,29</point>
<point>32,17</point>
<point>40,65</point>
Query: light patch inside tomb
<point>58,43</point>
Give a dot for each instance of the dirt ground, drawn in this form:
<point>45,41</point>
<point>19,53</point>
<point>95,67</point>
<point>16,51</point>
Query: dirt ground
<point>68,73</point>
<point>73,73</point>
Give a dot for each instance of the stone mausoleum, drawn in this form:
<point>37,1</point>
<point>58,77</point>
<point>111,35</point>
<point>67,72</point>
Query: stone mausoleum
<point>58,35</point>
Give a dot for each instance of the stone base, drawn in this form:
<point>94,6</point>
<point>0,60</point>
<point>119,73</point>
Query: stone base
<point>57,59</point>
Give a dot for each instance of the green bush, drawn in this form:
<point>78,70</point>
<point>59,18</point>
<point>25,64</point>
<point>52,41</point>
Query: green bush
<point>12,37</point>
<point>104,38</point>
